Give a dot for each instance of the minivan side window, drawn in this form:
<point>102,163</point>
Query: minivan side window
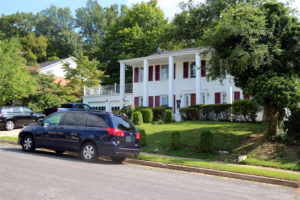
<point>16,109</point>
<point>93,120</point>
<point>74,119</point>
<point>53,119</point>
<point>86,107</point>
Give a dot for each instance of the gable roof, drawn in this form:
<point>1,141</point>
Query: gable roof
<point>47,63</point>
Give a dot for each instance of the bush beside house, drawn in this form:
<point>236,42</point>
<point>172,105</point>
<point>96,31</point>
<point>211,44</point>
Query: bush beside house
<point>137,118</point>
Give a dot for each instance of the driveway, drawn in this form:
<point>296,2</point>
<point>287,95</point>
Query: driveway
<point>14,132</point>
<point>44,175</point>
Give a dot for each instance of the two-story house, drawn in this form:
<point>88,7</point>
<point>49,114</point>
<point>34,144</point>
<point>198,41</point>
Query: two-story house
<point>173,78</point>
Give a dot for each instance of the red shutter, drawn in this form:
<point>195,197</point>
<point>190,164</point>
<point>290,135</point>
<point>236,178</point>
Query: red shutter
<point>246,97</point>
<point>157,71</point>
<point>150,73</point>
<point>150,101</point>
<point>174,104</point>
<point>136,101</point>
<point>217,98</point>
<point>203,71</point>
<point>156,101</point>
<point>193,99</point>
<point>136,74</point>
<point>174,71</point>
<point>185,69</point>
<point>237,96</point>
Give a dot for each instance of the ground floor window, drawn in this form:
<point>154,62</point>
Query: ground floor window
<point>101,108</point>
<point>164,100</point>
<point>224,97</point>
<point>187,100</point>
<point>115,108</point>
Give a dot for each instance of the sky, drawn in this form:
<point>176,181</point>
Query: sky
<point>170,7</point>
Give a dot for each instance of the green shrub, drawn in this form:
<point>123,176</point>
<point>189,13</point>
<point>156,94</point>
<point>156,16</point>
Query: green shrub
<point>175,140</point>
<point>143,140</point>
<point>189,114</point>
<point>168,116</point>
<point>147,115</point>
<point>137,118</point>
<point>244,110</point>
<point>292,125</point>
<point>128,110</point>
<point>159,113</point>
<point>206,142</point>
<point>215,112</point>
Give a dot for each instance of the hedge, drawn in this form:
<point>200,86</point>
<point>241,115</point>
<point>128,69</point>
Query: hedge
<point>168,116</point>
<point>137,118</point>
<point>159,112</point>
<point>292,125</point>
<point>244,110</point>
<point>147,115</point>
<point>143,140</point>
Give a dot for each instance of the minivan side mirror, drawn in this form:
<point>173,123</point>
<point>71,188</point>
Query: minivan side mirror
<point>40,122</point>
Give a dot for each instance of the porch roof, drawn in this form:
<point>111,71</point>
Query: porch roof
<point>164,56</point>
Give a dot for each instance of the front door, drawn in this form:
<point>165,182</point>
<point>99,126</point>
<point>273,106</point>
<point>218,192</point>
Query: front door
<point>193,99</point>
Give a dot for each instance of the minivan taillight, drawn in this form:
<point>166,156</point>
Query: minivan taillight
<point>115,132</point>
<point>57,110</point>
<point>1,115</point>
<point>138,136</point>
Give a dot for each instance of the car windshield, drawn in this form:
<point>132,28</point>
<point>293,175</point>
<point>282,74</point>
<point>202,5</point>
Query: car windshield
<point>123,123</point>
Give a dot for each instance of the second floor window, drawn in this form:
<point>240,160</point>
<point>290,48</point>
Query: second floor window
<point>164,72</point>
<point>193,70</point>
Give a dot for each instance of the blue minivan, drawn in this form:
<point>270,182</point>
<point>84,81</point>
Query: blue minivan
<point>91,133</point>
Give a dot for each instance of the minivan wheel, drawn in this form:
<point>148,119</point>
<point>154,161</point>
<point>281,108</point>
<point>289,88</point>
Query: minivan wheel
<point>9,125</point>
<point>118,159</point>
<point>28,143</point>
<point>89,152</point>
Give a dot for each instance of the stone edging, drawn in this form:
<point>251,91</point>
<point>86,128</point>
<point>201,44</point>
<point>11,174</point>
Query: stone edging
<point>248,177</point>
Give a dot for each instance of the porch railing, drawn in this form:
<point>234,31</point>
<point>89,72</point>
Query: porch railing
<point>106,90</point>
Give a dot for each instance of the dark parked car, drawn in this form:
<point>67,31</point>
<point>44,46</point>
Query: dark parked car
<point>11,117</point>
<point>67,106</point>
<point>92,133</point>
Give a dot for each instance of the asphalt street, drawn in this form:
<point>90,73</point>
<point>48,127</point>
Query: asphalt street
<point>45,175</point>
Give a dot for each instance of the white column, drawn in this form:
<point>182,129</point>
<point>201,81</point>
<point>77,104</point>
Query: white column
<point>171,75</point>
<point>229,89</point>
<point>198,78</point>
<point>145,84</point>
<point>84,90</point>
<point>99,89</point>
<point>122,84</point>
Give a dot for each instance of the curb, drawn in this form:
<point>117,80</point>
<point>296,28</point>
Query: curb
<point>213,172</point>
<point>234,175</point>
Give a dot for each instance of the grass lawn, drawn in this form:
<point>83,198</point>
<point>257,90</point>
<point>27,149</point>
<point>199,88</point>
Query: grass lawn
<point>236,138</point>
<point>10,138</point>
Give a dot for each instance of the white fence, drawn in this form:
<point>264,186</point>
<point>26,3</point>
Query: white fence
<point>106,90</point>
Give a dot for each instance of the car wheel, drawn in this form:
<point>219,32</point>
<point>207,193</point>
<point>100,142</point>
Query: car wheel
<point>118,159</point>
<point>28,143</point>
<point>89,152</point>
<point>9,125</point>
<point>58,152</point>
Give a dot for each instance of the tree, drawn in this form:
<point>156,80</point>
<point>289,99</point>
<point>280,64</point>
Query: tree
<point>16,82</point>
<point>85,74</point>
<point>57,25</point>
<point>137,32</point>
<point>259,47</point>
<point>35,48</point>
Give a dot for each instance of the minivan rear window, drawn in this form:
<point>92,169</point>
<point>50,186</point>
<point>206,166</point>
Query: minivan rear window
<point>93,120</point>
<point>67,105</point>
<point>123,123</point>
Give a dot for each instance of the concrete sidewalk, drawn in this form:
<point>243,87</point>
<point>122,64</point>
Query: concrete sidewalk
<point>13,133</point>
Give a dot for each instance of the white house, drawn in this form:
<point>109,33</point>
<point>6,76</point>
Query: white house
<point>173,78</point>
<point>55,67</point>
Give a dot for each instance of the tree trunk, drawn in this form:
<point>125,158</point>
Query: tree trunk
<point>272,121</point>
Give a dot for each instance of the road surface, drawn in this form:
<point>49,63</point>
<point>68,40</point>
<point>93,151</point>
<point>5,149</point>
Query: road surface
<point>45,175</point>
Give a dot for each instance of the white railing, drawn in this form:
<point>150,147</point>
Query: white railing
<point>106,90</point>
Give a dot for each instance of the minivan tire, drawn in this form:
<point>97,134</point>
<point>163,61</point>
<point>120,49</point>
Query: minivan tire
<point>89,152</point>
<point>9,125</point>
<point>27,143</point>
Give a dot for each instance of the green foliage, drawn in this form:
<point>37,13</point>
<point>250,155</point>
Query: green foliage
<point>143,140</point>
<point>292,125</point>
<point>16,82</point>
<point>147,115</point>
<point>137,118</point>
<point>247,109</point>
<point>128,110</point>
<point>159,113</point>
<point>210,112</point>
<point>206,141</point>
<point>175,142</point>
<point>168,116</point>
<point>260,46</point>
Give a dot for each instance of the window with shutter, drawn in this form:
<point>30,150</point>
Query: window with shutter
<point>174,71</point>
<point>150,73</point>
<point>150,101</point>
<point>157,72</point>
<point>136,101</point>
<point>136,74</point>
<point>157,103</point>
<point>217,98</point>
<point>185,69</point>
<point>237,96</point>
<point>203,65</point>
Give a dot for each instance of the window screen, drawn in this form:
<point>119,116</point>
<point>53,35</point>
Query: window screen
<point>95,121</point>
<point>74,119</point>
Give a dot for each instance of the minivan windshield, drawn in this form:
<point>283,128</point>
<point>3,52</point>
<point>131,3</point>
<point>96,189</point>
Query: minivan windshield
<point>123,123</point>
